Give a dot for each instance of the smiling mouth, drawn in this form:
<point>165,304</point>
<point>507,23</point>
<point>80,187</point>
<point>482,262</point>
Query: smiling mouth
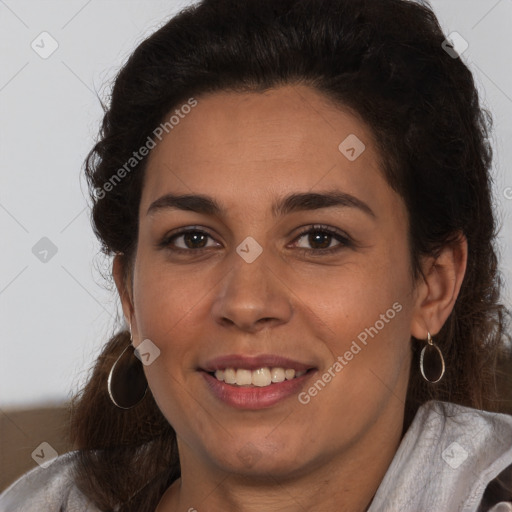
<point>261,377</point>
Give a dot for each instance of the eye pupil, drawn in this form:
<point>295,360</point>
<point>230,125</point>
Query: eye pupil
<point>313,237</point>
<point>193,236</point>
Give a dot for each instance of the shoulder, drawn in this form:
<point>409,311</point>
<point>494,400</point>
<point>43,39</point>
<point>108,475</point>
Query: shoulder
<point>46,489</point>
<point>457,417</point>
<point>482,435</point>
<point>447,459</point>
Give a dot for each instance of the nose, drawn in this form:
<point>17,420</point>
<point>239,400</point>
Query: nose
<point>252,296</point>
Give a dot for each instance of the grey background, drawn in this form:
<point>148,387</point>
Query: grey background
<point>56,314</point>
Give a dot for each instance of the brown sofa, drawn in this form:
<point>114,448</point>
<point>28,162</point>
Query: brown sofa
<point>22,431</point>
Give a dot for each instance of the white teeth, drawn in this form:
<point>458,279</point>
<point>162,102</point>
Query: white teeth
<point>243,377</point>
<point>277,375</point>
<point>289,374</point>
<point>261,377</point>
<point>229,376</point>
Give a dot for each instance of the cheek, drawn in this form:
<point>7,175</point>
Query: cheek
<point>363,317</point>
<point>166,304</point>
<point>165,301</point>
<point>164,296</point>
<point>346,300</point>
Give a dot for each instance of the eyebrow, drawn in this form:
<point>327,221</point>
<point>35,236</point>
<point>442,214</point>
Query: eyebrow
<point>292,203</point>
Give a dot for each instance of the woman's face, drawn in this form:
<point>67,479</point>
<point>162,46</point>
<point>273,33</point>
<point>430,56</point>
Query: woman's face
<point>253,283</point>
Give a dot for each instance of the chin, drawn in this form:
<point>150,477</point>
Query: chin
<point>263,460</point>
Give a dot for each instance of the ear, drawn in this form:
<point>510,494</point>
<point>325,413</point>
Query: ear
<point>122,281</point>
<point>437,292</point>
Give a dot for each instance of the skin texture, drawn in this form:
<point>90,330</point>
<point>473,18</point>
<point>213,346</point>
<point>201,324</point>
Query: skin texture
<point>247,150</point>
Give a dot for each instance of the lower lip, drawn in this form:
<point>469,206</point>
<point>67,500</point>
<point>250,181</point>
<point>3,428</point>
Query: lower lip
<point>255,397</point>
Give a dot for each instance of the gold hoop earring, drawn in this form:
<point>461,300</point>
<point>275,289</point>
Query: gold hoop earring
<point>432,368</point>
<point>127,384</point>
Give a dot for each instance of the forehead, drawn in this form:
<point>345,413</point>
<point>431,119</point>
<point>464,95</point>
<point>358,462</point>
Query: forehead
<point>244,148</point>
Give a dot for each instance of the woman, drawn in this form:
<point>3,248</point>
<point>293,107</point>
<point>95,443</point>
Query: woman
<point>297,196</point>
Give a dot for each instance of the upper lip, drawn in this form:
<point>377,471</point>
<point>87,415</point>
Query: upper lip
<point>253,362</point>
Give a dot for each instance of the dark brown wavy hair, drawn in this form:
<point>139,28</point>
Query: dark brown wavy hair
<point>382,58</point>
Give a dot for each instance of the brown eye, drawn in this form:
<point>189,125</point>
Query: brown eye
<point>192,240</point>
<point>320,239</point>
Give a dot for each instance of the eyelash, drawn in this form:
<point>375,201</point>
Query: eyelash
<point>317,228</point>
